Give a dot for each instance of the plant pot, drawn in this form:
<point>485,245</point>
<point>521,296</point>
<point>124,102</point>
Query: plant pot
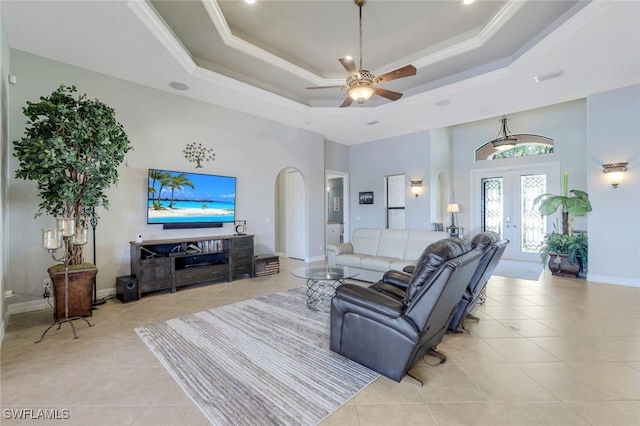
<point>80,290</point>
<point>559,265</point>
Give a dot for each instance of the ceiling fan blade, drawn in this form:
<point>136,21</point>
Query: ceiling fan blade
<point>341,86</point>
<point>346,102</point>
<point>349,65</point>
<point>391,95</point>
<point>405,71</point>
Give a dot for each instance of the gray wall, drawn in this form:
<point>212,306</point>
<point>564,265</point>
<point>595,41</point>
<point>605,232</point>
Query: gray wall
<point>613,128</point>
<point>336,156</point>
<point>335,188</point>
<point>159,125</point>
<point>565,123</point>
<point>369,164</point>
<point>587,133</point>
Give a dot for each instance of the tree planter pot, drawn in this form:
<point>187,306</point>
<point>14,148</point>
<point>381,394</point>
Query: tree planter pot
<point>80,298</point>
<point>559,265</point>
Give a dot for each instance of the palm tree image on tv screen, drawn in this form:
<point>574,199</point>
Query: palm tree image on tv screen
<point>182,198</point>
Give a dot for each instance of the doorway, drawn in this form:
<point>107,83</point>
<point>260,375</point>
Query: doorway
<point>502,202</point>
<point>291,235</point>
<point>336,208</point>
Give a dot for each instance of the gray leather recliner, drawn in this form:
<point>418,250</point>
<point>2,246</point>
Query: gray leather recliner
<point>394,283</point>
<point>388,334</point>
<point>492,247</point>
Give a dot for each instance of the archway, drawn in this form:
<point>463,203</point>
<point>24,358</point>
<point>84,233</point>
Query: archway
<point>290,227</point>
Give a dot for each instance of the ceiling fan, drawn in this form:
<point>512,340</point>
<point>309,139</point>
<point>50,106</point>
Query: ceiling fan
<point>362,84</point>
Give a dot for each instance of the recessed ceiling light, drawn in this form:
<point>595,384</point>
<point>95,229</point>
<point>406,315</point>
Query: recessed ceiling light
<point>443,103</point>
<point>467,2</point>
<point>178,86</point>
<point>548,76</point>
<point>250,1</point>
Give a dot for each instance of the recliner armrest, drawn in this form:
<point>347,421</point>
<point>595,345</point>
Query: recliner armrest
<point>365,301</point>
<point>397,279</point>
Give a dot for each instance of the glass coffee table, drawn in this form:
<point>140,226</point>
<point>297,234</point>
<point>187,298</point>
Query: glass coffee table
<point>322,282</point>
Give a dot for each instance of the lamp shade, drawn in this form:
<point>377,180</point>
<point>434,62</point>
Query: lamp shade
<point>360,93</point>
<point>453,208</point>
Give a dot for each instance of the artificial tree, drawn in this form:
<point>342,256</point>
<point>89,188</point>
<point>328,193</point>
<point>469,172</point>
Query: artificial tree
<point>566,253</point>
<point>576,205</point>
<point>72,147</point>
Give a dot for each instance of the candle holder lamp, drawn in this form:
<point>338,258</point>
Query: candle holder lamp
<point>68,236</point>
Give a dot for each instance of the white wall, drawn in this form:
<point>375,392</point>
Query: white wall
<point>159,125</point>
<point>4,165</point>
<point>613,123</point>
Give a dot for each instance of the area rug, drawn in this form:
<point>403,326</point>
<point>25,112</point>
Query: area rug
<point>517,269</point>
<point>258,362</point>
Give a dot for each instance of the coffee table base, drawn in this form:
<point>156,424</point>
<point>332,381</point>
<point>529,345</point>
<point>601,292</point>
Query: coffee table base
<point>319,292</point>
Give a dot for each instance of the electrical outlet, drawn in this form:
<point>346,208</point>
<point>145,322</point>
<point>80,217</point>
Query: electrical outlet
<point>46,283</point>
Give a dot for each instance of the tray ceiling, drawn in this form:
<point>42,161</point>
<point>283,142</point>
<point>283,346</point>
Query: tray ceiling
<point>473,62</point>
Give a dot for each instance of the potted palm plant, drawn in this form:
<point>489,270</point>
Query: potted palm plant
<point>566,252</point>
<point>72,147</point>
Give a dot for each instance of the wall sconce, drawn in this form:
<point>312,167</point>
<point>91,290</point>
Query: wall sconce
<point>416,187</point>
<point>615,172</point>
<point>453,208</point>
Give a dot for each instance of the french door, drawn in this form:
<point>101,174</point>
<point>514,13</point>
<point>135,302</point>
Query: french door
<point>503,203</point>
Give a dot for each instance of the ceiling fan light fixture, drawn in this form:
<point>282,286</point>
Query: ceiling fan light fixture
<point>360,93</point>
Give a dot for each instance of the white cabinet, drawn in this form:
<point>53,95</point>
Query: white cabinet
<point>334,234</point>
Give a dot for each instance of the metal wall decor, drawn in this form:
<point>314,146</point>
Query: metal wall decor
<point>196,153</point>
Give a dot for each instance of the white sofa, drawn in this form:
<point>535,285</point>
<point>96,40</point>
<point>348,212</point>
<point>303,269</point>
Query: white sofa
<point>375,251</point>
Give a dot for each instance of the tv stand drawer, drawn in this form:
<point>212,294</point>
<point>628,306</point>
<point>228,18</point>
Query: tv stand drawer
<point>199,274</point>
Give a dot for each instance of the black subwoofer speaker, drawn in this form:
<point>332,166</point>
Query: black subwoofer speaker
<point>127,289</point>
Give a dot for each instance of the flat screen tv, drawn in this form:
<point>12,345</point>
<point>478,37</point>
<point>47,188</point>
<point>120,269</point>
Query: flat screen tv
<point>190,200</point>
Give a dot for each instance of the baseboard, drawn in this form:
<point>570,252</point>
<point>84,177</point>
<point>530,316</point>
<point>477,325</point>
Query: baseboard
<point>40,304</point>
<point>613,280</point>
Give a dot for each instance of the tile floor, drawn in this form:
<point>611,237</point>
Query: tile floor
<point>549,352</point>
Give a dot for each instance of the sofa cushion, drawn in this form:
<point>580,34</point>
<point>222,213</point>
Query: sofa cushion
<point>418,240</point>
<point>365,241</point>
<point>392,243</point>
<point>350,259</point>
<point>376,263</point>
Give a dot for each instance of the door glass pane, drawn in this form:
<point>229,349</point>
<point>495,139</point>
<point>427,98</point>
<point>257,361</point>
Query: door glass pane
<point>395,218</point>
<point>395,191</point>
<point>492,204</point>
<point>533,226</point>
<point>395,201</point>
